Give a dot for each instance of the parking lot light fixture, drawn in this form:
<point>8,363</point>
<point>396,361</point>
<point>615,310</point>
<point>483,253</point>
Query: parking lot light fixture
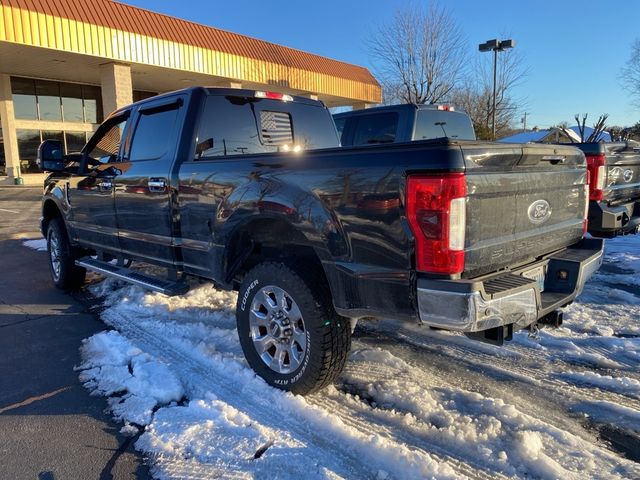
<point>495,46</point>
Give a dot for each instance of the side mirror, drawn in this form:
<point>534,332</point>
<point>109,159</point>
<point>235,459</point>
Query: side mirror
<point>50,156</point>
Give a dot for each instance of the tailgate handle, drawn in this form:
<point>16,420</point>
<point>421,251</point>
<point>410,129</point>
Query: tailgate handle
<point>554,159</point>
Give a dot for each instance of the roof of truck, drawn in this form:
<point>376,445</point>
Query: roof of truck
<point>395,108</point>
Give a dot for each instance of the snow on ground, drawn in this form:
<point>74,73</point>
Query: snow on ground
<point>39,244</point>
<point>412,403</point>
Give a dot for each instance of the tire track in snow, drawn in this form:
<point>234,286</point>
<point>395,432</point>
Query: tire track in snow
<point>377,421</point>
<point>349,464</point>
<point>502,363</point>
<point>416,431</point>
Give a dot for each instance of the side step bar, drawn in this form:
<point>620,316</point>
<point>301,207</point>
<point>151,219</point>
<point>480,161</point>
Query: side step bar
<point>168,287</point>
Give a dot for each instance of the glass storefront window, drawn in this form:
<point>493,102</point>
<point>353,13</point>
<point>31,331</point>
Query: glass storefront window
<point>24,98</point>
<point>56,101</point>
<point>92,104</point>
<point>48,94</point>
<point>52,135</point>
<point>72,109</point>
<point>75,141</point>
<point>28,141</point>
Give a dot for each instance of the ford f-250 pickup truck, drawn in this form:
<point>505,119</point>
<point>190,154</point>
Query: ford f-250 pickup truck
<point>251,191</point>
<point>614,207</point>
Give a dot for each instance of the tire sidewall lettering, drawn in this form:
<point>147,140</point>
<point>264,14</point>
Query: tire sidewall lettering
<point>245,297</point>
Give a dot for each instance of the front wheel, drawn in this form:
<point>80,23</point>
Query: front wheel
<point>64,272</point>
<point>289,332</point>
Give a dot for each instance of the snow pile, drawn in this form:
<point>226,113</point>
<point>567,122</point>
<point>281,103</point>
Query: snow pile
<point>487,431</point>
<point>412,403</point>
<point>623,385</point>
<point>111,364</point>
<point>39,244</point>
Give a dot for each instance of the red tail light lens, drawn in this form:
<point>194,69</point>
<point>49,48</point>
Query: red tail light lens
<point>436,210</point>
<point>274,96</point>
<point>597,172</point>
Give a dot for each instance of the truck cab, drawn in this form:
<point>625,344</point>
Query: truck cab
<point>402,123</point>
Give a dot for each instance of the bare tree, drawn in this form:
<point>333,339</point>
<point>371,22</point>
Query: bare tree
<point>476,94</point>
<point>419,55</point>
<point>631,72</point>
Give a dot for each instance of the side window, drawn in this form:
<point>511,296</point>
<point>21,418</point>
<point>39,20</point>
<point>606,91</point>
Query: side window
<point>155,133</point>
<point>376,128</point>
<point>108,146</point>
<point>228,127</point>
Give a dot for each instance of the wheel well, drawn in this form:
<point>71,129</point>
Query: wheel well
<point>49,211</point>
<point>269,239</point>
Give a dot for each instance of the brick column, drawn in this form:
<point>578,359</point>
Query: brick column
<point>115,81</point>
<point>8,118</point>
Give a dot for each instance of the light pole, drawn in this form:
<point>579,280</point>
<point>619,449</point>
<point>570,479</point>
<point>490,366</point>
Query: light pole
<point>496,46</point>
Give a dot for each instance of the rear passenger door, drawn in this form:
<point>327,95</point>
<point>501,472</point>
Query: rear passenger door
<point>143,191</point>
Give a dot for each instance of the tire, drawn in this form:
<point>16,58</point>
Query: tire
<point>64,272</point>
<point>301,349</point>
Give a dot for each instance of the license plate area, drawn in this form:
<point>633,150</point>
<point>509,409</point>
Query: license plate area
<point>538,274</point>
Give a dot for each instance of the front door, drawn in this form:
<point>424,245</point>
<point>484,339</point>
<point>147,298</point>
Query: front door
<point>143,191</point>
<point>91,192</point>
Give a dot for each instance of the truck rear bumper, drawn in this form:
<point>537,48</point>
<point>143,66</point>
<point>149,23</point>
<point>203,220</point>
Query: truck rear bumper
<point>510,297</point>
<point>606,221</point>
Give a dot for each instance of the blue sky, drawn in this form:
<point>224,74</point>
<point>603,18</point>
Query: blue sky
<point>574,49</point>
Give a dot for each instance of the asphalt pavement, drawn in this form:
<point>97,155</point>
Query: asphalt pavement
<point>50,428</point>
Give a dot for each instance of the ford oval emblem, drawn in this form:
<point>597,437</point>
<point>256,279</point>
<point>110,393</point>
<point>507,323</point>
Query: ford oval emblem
<point>627,175</point>
<point>539,212</point>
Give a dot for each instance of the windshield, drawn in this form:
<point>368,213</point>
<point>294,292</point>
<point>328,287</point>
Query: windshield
<point>431,123</point>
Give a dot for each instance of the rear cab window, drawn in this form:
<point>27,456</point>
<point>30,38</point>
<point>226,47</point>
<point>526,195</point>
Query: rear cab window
<point>432,123</point>
<point>376,128</point>
<point>239,125</point>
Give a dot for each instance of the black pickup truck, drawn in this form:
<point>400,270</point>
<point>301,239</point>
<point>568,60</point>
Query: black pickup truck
<point>614,196</point>
<point>402,123</point>
<point>251,191</point>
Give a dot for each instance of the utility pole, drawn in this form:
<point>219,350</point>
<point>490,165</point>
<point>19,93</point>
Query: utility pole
<point>524,122</point>
<point>495,46</point>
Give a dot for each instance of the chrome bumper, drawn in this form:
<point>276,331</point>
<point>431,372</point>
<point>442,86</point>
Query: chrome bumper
<point>509,298</point>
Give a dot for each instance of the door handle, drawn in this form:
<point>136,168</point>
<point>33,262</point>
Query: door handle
<point>157,185</point>
<point>105,185</point>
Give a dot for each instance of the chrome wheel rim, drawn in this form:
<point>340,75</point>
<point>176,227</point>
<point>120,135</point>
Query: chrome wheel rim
<point>277,329</point>
<point>55,255</point>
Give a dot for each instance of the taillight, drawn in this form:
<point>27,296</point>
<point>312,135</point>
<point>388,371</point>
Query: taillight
<point>597,172</point>
<point>436,210</point>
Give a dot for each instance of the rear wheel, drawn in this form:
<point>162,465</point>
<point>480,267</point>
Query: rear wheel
<point>289,332</point>
<point>64,272</point>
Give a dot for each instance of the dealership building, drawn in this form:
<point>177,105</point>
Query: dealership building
<point>66,64</point>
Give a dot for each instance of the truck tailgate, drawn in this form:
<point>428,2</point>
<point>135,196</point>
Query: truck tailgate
<point>623,173</point>
<point>524,201</point>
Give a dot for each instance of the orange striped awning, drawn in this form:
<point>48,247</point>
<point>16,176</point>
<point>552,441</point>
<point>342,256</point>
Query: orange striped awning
<point>186,45</point>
